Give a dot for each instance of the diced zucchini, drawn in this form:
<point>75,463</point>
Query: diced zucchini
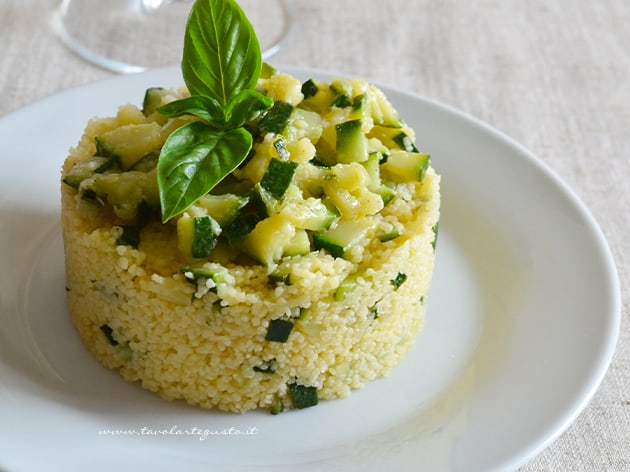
<point>325,153</point>
<point>130,236</point>
<point>327,144</point>
<point>351,144</point>
<point>207,277</point>
<point>205,236</point>
<point>89,200</point>
<point>342,101</point>
<point>152,100</point>
<point>317,161</point>
<point>342,237</point>
<point>125,191</point>
<point>303,396</point>
<point>393,233</point>
<point>387,194</point>
<point>321,100</point>
<point>130,143</point>
<point>305,314</point>
<point>375,146</point>
<point>248,217</point>
<point>310,178</point>
<point>361,111</point>
<point>309,88</point>
<point>197,236</point>
<point>270,202</point>
<point>346,286</point>
<point>267,70</point>
<point>277,406</point>
<point>405,142</point>
<point>383,112</point>
<point>279,331</point>
<point>276,119</point>
<point>194,274</point>
<point>343,89</point>
<point>391,138</point>
<point>347,187</point>
<point>147,163</point>
<point>359,107</point>
<point>372,166</point>
<point>304,124</point>
<point>209,270</point>
<point>280,146</point>
<point>223,208</point>
<point>266,242</point>
<point>87,168</point>
<point>278,177</point>
<point>311,214</point>
<point>281,275</point>
<point>253,169</point>
<point>224,252</point>
<point>404,166</point>
<point>299,245</point>
<point>129,191</point>
<point>350,87</point>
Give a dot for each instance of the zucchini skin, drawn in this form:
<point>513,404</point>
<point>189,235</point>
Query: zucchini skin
<point>205,239</point>
<point>309,88</point>
<point>278,177</point>
<point>276,119</point>
<point>303,396</point>
<point>279,331</point>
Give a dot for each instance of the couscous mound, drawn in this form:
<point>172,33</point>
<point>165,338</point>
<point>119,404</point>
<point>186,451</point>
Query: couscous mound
<point>241,329</point>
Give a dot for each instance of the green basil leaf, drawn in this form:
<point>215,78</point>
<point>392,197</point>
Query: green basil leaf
<point>206,108</point>
<point>221,52</point>
<point>246,106</point>
<point>193,160</point>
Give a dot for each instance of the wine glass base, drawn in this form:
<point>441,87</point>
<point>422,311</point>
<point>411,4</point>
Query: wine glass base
<point>124,36</point>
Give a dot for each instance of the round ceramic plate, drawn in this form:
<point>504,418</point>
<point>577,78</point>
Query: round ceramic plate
<point>522,322</point>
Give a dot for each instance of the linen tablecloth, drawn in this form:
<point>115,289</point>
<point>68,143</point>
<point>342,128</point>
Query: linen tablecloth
<point>553,75</point>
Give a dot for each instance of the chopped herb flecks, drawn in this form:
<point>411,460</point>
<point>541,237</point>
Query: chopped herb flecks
<point>108,332</point>
<point>266,367</point>
<point>435,229</point>
<point>398,280</point>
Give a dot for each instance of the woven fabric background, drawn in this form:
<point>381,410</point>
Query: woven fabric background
<point>554,75</point>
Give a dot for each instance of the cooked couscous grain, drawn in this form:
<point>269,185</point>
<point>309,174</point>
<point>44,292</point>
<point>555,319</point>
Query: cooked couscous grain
<point>343,321</point>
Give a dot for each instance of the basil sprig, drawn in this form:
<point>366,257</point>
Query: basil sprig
<point>221,65</point>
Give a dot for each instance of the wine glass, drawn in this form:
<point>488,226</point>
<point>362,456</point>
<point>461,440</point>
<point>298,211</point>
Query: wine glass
<point>128,36</point>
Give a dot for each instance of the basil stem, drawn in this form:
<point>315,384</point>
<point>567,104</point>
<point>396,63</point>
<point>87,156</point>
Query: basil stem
<point>221,65</point>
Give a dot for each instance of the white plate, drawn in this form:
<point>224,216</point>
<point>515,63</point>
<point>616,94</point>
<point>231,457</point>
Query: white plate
<point>522,323</point>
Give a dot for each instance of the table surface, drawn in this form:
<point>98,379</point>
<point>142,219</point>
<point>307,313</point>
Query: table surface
<point>554,75</point>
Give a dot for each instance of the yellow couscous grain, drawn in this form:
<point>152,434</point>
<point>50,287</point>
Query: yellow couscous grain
<point>206,344</point>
